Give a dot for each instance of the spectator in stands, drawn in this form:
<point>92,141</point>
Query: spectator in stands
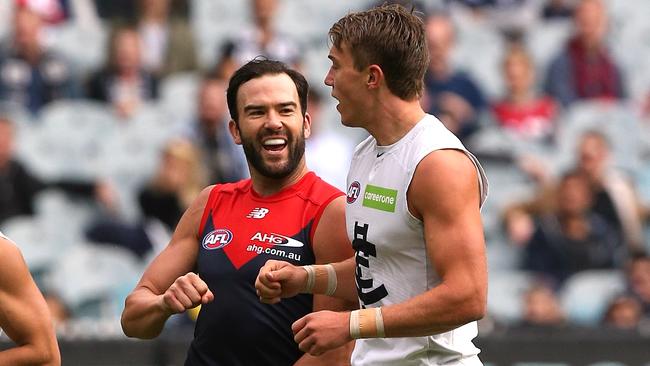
<point>542,308</point>
<point>557,10</point>
<point>638,277</point>
<point>616,199</point>
<point>451,95</point>
<point>614,196</point>
<point>522,112</point>
<point>261,38</point>
<point>167,41</point>
<point>19,187</point>
<point>224,160</point>
<point>127,10</point>
<point>30,74</point>
<point>179,178</point>
<point>177,181</point>
<point>585,69</point>
<point>571,238</point>
<point>124,82</point>
<point>623,312</point>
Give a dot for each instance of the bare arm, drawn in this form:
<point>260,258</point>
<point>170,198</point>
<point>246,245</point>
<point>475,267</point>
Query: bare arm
<point>331,245</point>
<point>24,315</point>
<point>167,286</point>
<point>448,205</point>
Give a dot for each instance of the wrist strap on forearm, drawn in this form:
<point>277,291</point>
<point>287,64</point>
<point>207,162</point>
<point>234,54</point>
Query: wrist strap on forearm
<point>321,279</point>
<point>367,323</point>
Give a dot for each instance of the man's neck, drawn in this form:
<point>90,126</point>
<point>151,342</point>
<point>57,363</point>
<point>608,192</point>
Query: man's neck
<point>265,186</point>
<point>393,119</point>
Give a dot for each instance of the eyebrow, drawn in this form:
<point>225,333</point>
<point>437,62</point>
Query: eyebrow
<point>254,107</point>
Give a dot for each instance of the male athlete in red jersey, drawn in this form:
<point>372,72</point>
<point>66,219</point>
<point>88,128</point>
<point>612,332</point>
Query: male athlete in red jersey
<point>283,212</point>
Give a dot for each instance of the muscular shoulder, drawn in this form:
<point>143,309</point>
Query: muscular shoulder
<point>443,179</point>
<point>12,264</point>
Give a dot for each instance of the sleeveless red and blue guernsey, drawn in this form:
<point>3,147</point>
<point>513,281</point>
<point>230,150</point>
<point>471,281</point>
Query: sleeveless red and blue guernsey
<point>239,232</point>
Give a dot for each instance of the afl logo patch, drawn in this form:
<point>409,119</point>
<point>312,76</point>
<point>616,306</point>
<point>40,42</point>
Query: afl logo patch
<point>217,239</point>
<point>353,191</point>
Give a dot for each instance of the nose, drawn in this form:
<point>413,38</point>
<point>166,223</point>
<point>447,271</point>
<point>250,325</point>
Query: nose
<point>329,79</point>
<point>274,122</point>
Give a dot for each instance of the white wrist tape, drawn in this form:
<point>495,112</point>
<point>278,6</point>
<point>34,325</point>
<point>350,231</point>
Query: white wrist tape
<point>367,323</point>
<point>321,279</point>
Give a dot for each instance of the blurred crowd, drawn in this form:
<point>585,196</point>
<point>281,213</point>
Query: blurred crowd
<point>113,117</point>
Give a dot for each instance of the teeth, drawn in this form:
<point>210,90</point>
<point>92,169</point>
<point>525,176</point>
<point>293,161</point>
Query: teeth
<point>274,142</point>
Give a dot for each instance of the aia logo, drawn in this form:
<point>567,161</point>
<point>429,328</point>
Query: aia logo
<point>217,239</point>
<point>353,191</point>
<point>258,213</point>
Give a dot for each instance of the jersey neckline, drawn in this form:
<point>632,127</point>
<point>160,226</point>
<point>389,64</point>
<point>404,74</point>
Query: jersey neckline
<point>286,192</point>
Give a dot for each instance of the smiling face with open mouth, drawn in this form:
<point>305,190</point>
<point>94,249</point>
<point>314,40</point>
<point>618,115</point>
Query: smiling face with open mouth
<point>271,127</point>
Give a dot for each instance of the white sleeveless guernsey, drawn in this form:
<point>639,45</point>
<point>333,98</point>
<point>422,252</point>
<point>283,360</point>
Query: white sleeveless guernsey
<point>392,261</point>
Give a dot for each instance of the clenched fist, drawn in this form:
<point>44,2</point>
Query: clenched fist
<point>187,292</point>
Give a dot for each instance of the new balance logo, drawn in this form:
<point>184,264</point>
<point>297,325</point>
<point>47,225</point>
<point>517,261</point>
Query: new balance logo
<point>258,213</point>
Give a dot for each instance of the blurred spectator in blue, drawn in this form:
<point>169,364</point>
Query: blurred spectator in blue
<point>167,41</point>
<point>124,82</point>
<point>31,75</point>
<point>19,187</point>
<point>127,10</point>
<point>572,238</point>
<point>328,153</point>
<point>557,10</point>
<point>522,111</point>
<point>261,38</point>
<point>224,160</point>
<point>178,179</point>
<point>623,312</point>
<point>638,278</point>
<point>585,69</point>
<point>448,92</point>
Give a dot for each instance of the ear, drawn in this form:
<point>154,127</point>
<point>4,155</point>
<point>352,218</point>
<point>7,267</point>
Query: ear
<point>375,76</point>
<point>234,131</point>
<point>306,125</point>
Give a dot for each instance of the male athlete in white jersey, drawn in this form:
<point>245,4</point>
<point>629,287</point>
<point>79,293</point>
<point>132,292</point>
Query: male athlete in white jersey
<point>414,194</point>
<point>24,315</point>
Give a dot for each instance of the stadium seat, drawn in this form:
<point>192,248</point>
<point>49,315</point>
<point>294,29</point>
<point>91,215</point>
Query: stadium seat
<point>545,41</point>
<point>34,243</point>
<point>72,135</point>
<point>585,295</point>
<point>90,273</point>
<point>178,96</point>
<point>505,295</point>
